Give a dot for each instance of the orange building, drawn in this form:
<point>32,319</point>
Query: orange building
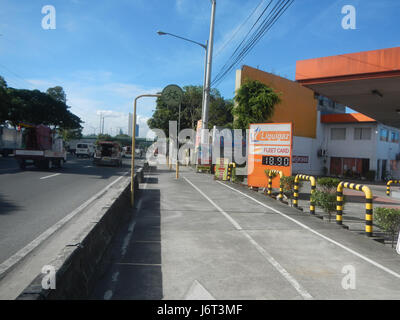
<point>297,101</point>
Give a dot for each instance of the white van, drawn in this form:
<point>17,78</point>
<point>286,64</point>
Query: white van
<point>84,150</point>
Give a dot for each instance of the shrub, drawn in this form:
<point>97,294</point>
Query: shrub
<point>288,187</point>
<point>325,200</point>
<point>370,175</point>
<point>325,197</point>
<point>388,220</point>
<point>328,184</point>
<point>273,174</point>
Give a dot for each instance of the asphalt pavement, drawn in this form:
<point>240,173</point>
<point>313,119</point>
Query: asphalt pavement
<point>33,200</point>
<point>196,238</point>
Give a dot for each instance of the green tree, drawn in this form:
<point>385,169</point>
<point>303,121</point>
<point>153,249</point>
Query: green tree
<point>255,104</point>
<point>35,107</point>
<point>219,113</point>
<point>71,134</point>
<point>57,93</point>
<point>4,101</point>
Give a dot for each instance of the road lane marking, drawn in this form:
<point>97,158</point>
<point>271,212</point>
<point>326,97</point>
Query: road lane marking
<point>376,264</point>
<point>295,284</point>
<point>22,253</point>
<point>51,176</point>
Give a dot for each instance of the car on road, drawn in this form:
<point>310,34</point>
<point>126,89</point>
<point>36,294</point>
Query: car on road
<point>84,150</point>
<point>108,153</point>
<point>127,152</point>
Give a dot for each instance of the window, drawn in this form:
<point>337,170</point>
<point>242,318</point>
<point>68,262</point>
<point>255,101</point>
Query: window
<point>384,136</point>
<point>394,137</point>
<point>338,133</point>
<point>362,134</point>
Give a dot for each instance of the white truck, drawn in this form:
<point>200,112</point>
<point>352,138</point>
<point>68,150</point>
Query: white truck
<point>85,150</point>
<point>10,139</point>
<point>41,147</point>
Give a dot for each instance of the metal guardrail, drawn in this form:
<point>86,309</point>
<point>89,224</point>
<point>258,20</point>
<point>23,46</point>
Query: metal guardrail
<point>296,190</point>
<point>368,204</point>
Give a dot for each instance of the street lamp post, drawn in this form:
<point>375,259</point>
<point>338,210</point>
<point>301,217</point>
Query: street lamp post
<point>205,47</point>
<point>133,143</point>
<point>208,71</point>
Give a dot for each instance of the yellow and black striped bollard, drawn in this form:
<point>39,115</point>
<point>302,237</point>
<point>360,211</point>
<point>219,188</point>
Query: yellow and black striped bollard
<point>228,177</point>
<point>269,190</point>
<point>339,204</point>
<point>296,190</point>
<point>388,186</point>
<point>368,204</point>
<point>280,196</point>
<point>296,193</point>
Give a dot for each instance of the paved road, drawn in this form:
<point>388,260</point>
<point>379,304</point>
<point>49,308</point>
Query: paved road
<point>31,201</point>
<point>198,238</point>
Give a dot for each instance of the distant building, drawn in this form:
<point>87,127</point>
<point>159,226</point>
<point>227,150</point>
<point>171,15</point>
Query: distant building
<point>355,143</point>
<point>130,126</point>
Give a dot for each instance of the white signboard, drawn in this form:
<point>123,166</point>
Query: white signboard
<point>398,245</point>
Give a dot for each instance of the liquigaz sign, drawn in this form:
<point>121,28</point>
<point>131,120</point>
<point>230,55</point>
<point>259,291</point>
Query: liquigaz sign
<point>270,147</point>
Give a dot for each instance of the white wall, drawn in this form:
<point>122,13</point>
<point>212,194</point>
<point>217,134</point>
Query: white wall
<point>372,149</point>
<point>309,147</point>
<point>387,150</point>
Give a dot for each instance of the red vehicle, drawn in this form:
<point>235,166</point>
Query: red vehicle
<point>41,147</point>
<point>108,153</point>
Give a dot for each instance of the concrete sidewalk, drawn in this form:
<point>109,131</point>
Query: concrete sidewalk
<point>196,238</point>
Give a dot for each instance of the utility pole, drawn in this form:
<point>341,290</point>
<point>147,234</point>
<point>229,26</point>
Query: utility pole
<point>208,69</point>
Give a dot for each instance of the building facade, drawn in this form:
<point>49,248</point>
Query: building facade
<point>328,141</point>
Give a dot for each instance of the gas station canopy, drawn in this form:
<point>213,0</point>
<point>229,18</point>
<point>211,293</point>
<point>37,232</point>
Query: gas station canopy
<point>368,82</point>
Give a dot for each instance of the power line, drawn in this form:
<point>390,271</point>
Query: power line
<point>238,29</point>
<point>247,45</point>
<point>267,23</point>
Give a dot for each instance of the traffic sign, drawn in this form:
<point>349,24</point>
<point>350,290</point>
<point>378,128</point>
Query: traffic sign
<point>172,95</point>
<point>398,245</point>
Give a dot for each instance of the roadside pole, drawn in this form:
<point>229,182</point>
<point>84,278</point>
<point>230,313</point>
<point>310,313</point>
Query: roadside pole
<point>177,142</point>
<point>207,89</point>
<point>133,143</point>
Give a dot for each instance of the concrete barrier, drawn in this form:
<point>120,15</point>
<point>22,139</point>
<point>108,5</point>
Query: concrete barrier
<point>77,265</point>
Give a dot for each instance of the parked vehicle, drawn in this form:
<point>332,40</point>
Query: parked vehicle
<point>108,153</point>
<point>84,150</point>
<point>40,147</point>
<point>10,139</point>
<point>127,152</point>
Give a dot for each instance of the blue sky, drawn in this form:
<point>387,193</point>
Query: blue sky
<point>106,52</point>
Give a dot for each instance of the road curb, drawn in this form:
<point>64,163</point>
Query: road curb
<point>76,266</point>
